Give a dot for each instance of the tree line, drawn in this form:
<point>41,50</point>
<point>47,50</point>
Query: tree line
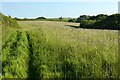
<point>101,21</point>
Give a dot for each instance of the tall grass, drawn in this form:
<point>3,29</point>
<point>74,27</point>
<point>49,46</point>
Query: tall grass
<point>69,52</point>
<point>46,49</point>
<point>15,55</point>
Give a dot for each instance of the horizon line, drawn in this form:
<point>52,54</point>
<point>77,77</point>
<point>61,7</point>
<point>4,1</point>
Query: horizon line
<point>58,17</point>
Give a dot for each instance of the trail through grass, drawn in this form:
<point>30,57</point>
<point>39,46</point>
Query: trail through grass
<point>46,49</point>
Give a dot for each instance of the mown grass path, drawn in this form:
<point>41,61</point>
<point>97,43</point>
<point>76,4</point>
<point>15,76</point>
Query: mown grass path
<point>32,67</point>
<point>15,56</point>
<point>41,49</point>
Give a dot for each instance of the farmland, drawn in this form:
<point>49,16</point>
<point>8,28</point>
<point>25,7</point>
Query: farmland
<point>48,49</point>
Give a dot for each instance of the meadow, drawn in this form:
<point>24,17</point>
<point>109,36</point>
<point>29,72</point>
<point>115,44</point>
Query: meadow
<point>51,49</point>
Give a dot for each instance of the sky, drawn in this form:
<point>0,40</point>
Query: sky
<point>60,0</point>
<point>58,9</point>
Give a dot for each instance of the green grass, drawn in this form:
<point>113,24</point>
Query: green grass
<point>48,49</point>
<point>15,54</point>
<point>0,50</point>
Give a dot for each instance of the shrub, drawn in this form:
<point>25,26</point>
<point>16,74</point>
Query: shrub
<point>81,18</point>
<point>110,22</point>
<point>71,20</point>
<point>8,21</point>
<point>98,17</point>
<point>102,22</point>
<point>87,23</point>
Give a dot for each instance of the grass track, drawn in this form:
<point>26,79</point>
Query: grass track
<point>48,49</point>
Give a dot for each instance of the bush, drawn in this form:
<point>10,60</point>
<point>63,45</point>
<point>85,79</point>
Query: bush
<point>110,22</point>
<point>8,21</point>
<point>87,23</point>
<point>87,17</point>
<point>98,17</point>
<point>71,20</point>
<point>102,22</point>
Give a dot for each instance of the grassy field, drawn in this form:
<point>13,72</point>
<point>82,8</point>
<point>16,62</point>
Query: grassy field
<point>48,49</point>
<point>0,50</point>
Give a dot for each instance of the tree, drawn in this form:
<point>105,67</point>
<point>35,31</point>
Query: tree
<point>101,22</point>
<point>82,17</point>
<point>41,18</point>
<point>16,18</point>
<point>61,17</point>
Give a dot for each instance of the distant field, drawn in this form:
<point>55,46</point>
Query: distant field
<point>48,49</point>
